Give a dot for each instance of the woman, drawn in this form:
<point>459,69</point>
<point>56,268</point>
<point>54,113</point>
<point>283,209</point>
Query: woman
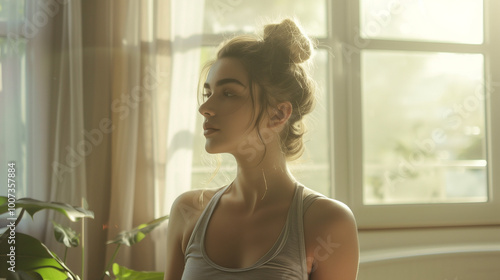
<point>264,225</point>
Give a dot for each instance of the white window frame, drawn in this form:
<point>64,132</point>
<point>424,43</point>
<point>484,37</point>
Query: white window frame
<point>348,166</point>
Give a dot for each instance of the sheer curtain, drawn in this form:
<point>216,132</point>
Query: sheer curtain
<point>141,68</point>
<point>100,103</point>
<point>136,86</point>
<point>127,85</point>
<point>68,147</point>
<point>186,30</point>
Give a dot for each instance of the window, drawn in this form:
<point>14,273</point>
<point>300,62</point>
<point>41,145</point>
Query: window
<point>429,104</point>
<point>421,107</point>
<point>403,130</point>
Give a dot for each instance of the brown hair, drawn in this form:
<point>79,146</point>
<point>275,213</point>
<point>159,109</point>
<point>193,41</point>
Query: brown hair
<point>275,63</point>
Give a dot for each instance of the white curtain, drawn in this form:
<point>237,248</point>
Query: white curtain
<point>156,45</point>
<point>186,35</point>
<point>69,147</point>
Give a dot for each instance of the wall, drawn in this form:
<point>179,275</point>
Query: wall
<point>441,253</point>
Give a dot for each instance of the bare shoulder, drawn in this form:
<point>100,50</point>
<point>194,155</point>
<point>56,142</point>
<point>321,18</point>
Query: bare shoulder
<point>331,238</point>
<point>184,214</point>
<point>186,211</point>
<point>195,198</point>
<point>327,213</point>
<point>190,204</point>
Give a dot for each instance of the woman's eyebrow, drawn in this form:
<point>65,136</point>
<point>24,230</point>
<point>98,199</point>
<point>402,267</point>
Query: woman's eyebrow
<point>225,81</point>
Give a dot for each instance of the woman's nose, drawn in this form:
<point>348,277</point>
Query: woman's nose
<point>205,109</point>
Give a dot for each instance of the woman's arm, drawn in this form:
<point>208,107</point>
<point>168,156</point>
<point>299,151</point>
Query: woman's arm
<point>175,233</point>
<point>184,214</point>
<point>333,241</point>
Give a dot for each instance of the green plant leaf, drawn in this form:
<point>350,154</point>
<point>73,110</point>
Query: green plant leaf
<point>30,255</point>
<point>32,206</point>
<point>135,235</point>
<point>3,200</point>
<point>66,235</point>
<point>123,273</point>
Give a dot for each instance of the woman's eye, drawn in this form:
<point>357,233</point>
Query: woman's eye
<point>228,94</point>
<point>207,94</point>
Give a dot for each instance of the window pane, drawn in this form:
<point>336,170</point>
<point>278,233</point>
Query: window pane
<point>423,127</point>
<point>10,10</point>
<point>426,20</point>
<point>223,16</point>
<point>312,169</point>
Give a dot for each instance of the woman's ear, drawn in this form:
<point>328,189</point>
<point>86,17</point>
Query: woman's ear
<point>280,114</point>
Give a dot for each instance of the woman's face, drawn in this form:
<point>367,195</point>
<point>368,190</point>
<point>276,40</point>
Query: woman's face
<point>228,108</point>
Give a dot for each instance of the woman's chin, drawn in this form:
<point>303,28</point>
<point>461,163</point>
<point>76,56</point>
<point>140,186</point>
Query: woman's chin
<point>212,149</point>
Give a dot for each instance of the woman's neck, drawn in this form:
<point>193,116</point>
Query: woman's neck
<point>262,181</point>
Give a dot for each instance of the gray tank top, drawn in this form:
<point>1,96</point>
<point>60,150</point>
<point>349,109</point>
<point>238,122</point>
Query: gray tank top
<point>285,260</point>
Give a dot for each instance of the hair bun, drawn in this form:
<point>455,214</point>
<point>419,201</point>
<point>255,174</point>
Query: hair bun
<point>288,35</point>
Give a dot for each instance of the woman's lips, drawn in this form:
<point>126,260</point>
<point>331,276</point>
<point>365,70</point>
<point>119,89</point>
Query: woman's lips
<point>209,131</point>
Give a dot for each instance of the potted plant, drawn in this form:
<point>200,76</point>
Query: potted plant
<point>24,257</point>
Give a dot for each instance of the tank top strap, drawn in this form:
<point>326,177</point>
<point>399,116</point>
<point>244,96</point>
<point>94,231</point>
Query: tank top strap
<point>309,199</point>
<point>213,202</point>
<point>204,218</point>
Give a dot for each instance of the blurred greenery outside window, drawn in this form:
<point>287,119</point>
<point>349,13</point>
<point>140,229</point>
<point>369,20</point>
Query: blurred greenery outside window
<point>424,133</point>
